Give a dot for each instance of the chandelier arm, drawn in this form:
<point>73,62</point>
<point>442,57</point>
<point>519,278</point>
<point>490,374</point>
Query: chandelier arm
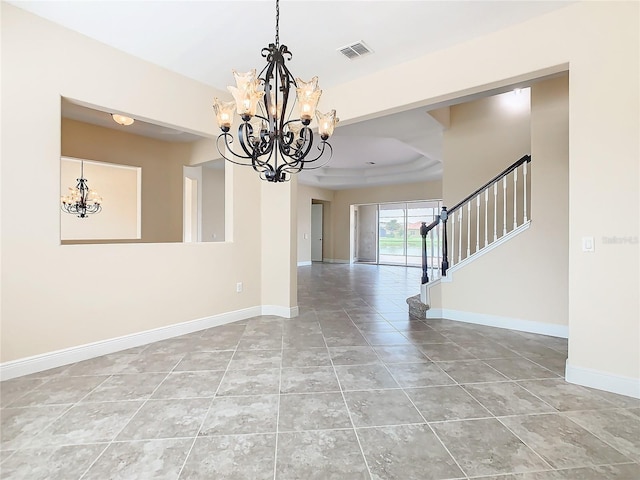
<point>321,147</point>
<point>305,162</point>
<point>95,208</point>
<point>293,167</point>
<point>227,143</point>
<point>243,139</point>
<point>265,143</point>
<point>307,134</point>
<point>264,147</point>
<point>264,171</point>
<point>264,168</point>
<point>266,164</point>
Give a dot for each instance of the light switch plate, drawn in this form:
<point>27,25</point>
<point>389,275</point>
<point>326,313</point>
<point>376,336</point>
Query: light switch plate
<point>588,244</point>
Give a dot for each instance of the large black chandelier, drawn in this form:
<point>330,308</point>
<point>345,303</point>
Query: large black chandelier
<point>81,200</point>
<point>271,141</point>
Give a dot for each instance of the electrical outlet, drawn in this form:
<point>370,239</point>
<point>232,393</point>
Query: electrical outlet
<point>239,287</point>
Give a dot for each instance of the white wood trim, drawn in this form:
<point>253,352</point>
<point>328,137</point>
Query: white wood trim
<point>425,290</point>
<point>524,174</point>
<point>280,311</point>
<point>486,218</point>
<point>478,223</point>
<point>58,358</point>
<point>139,200</point>
<point>504,205</point>
<point>460,215</point>
<point>515,198</point>
<point>609,382</point>
<point>495,211</point>
<point>551,329</point>
<point>304,264</point>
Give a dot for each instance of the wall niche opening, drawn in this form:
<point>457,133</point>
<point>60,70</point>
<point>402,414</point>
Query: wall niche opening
<point>140,172</point>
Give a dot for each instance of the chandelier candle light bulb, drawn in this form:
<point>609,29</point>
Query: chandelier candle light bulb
<point>326,123</point>
<point>308,97</point>
<point>224,113</point>
<point>272,142</point>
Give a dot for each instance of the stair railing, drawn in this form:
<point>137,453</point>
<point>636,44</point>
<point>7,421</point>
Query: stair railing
<point>475,216</point>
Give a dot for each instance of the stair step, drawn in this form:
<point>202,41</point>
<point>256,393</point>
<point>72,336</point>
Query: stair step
<point>417,309</point>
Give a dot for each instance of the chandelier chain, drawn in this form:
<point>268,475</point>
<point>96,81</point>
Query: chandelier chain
<point>277,23</point>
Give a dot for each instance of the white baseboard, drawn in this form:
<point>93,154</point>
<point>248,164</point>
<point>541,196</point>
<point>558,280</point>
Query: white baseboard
<point>335,260</point>
<point>588,377</point>
<point>67,356</point>
<point>304,264</point>
<point>280,311</point>
<point>521,325</point>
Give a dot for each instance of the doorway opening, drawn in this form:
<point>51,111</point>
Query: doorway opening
<point>317,217</point>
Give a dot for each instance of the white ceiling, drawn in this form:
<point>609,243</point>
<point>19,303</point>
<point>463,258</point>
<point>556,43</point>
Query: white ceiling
<point>203,40</point>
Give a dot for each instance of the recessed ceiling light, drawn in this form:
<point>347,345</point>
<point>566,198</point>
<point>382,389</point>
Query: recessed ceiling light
<point>121,119</point>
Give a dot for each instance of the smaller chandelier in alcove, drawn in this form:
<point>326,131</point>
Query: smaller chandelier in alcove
<point>270,141</point>
<point>81,200</point>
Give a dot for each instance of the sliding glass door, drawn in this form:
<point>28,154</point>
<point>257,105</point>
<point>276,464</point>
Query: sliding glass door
<point>399,240</point>
<point>392,227</point>
<point>418,212</point>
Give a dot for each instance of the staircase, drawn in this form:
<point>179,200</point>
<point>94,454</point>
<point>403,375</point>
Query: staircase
<point>483,220</point>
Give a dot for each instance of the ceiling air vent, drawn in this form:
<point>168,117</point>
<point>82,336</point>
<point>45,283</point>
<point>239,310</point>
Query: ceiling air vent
<point>355,50</point>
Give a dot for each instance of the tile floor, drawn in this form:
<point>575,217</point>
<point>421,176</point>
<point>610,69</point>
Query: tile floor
<point>351,389</point>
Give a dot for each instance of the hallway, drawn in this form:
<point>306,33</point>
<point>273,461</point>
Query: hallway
<point>351,389</point>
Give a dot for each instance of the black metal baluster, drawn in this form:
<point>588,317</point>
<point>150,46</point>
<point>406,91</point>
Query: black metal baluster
<point>423,231</point>
<point>444,216</point>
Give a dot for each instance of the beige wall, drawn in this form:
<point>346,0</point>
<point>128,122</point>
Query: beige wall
<point>343,199</point>
<point>142,286</point>
<point>212,204</point>
<point>161,164</point>
<point>484,137</point>
<point>306,195</point>
<point>600,42</point>
<point>202,151</point>
<point>279,243</point>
